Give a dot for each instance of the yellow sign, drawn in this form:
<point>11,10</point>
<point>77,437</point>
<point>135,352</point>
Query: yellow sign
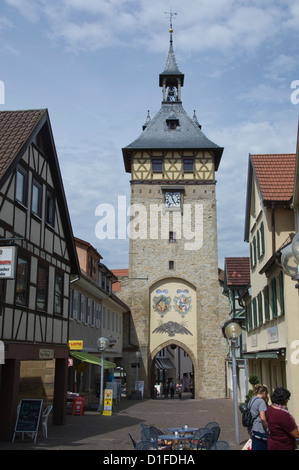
<point>76,344</point>
<point>108,402</point>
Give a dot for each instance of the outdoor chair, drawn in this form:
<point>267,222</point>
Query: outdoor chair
<point>146,445</point>
<point>46,413</point>
<point>202,439</point>
<point>133,440</point>
<point>220,445</point>
<point>152,434</point>
<point>215,428</point>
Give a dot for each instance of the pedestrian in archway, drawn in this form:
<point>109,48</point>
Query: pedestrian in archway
<point>172,388</point>
<point>179,389</point>
<point>166,389</point>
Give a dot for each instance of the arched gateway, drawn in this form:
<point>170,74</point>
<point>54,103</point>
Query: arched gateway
<point>173,286</point>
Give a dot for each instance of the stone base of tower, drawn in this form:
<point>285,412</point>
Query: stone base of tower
<point>208,356</point>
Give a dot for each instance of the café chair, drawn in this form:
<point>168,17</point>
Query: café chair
<point>220,445</point>
<point>215,428</point>
<point>146,445</point>
<point>46,413</point>
<point>133,441</point>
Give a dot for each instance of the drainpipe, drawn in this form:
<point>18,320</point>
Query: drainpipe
<point>273,228</point>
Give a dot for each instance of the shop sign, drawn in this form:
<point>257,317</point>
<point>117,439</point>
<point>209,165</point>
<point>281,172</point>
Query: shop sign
<point>8,257</point>
<point>76,344</point>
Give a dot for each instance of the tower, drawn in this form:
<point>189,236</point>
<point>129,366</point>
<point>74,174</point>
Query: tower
<point>173,285</point>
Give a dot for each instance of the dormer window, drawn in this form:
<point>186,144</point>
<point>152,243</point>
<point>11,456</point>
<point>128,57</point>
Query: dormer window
<point>172,122</point>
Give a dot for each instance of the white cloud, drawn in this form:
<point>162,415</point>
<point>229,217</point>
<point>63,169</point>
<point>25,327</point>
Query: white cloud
<point>223,26</point>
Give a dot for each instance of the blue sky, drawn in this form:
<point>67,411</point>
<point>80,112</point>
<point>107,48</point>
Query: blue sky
<point>95,65</point>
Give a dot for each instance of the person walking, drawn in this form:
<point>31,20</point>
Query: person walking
<point>179,389</point>
<point>171,388</point>
<point>258,408</point>
<point>283,430</point>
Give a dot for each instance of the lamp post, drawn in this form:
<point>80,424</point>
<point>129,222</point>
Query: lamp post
<point>102,344</point>
<point>290,259</point>
<point>232,331</point>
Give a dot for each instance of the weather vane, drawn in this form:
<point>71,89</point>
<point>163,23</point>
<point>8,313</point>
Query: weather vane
<point>170,15</point>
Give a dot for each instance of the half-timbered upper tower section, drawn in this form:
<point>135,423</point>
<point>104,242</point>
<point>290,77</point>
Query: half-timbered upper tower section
<point>172,146</point>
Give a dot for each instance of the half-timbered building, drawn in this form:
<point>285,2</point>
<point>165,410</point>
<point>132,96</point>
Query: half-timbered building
<point>34,217</point>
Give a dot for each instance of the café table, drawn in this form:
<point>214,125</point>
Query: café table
<point>183,430</point>
<point>176,439</point>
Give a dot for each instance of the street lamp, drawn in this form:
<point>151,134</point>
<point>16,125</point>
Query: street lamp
<point>232,331</point>
<point>290,259</point>
<point>102,344</point>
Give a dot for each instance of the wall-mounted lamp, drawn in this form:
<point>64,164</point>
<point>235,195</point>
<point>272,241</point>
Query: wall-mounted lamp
<point>290,259</point>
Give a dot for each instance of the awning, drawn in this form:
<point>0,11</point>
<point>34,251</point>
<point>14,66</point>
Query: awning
<point>82,356</point>
<point>164,363</point>
<point>270,354</point>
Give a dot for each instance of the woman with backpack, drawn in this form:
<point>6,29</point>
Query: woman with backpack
<point>258,408</point>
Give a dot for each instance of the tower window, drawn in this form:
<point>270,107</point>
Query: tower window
<point>157,164</point>
<point>171,264</point>
<point>188,164</point>
<point>172,237</point>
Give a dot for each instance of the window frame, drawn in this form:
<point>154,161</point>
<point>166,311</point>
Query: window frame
<point>188,165</point>
<point>50,208</point>
<point>42,267</point>
<point>58,295</point>
<point>24,190</point>
<point>36,205</point>
<point>157,164</point>
<point>25,284</point>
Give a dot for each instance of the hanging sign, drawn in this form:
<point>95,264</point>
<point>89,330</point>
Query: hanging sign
<point>8,257</point>
<point>108,397</point>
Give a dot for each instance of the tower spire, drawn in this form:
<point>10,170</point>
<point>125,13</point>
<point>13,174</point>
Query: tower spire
<point>171,79</point>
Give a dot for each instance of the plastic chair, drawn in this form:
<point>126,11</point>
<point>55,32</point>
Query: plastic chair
<point>215,428</point>
<point>220,445</point>
<point>133,440</point>
<point>46,413</point>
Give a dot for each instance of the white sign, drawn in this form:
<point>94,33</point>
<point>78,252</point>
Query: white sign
<point>8,257</point>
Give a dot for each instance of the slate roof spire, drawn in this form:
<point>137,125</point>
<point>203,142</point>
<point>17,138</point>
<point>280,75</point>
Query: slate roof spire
<point>171,79</point>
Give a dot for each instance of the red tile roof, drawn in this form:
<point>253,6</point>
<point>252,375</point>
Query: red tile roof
<point>276,175</point>
<point>15,128</point>
<point>237,271</point>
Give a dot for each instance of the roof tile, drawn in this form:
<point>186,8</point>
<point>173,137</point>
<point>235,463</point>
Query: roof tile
<point>15,128</point>
<point>237,271</point>
<point>276,175</point>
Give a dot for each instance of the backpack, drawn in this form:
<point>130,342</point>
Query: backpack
<point>247,418</point>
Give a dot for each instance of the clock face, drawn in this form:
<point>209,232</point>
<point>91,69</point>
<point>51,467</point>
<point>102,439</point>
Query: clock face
<point>172,199</point>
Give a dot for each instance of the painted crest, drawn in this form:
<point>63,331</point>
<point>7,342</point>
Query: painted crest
<point>162,302</point>
<point>182,302</point>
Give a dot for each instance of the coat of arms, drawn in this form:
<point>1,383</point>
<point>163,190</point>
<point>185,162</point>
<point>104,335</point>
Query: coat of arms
<point>182,302</point>
<point>161,302</point>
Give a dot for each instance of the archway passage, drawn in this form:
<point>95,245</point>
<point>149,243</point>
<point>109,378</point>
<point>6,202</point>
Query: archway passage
<point>172,373</point>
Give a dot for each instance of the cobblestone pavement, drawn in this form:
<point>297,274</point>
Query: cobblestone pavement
<point>95,432</point>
